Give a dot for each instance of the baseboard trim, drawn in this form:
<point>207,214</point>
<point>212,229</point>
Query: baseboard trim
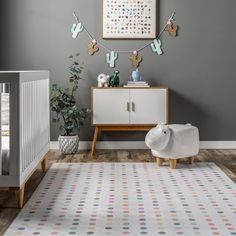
<point>218,144</point>
<point>84,145</point>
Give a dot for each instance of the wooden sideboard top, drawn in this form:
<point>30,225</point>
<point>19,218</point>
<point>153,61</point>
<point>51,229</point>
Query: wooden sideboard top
<point>121,87</point>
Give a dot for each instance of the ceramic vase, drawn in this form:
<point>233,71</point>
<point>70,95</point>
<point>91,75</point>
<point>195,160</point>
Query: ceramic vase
<point>136,75</point>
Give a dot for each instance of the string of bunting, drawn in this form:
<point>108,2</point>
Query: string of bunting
<point>112,56</point>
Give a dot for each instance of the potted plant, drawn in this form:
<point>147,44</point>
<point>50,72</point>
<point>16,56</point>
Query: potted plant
<point>67,113</point>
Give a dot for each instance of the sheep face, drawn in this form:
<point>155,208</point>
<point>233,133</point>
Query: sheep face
<point>158,137</point>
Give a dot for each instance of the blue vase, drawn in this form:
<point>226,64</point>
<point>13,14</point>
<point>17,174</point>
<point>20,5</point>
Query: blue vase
<point>136,75</point>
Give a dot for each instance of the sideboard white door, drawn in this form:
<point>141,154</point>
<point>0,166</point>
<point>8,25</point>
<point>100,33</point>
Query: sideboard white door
<point>148,106</point>
<point>111,106</point>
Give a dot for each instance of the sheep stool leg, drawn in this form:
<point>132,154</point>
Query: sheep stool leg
<point>173,163</point>
<point>191,160</point>
<point>159,161</point>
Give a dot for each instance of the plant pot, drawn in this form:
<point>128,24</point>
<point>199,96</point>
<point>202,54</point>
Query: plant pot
<point>68,144</point>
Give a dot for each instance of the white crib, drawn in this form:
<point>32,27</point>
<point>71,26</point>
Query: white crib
<point>24,127</point>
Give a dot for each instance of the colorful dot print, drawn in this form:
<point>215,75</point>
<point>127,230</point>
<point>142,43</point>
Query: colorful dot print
<point>129,18</point>
<point>120,199</point>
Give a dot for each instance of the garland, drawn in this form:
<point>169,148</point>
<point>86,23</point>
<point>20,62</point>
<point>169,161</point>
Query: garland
<point>112,56</point>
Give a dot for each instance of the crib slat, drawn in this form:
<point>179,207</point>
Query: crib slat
<point>35,98</point>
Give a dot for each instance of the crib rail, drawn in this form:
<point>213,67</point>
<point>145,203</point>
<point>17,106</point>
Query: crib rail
<point>29,131</point>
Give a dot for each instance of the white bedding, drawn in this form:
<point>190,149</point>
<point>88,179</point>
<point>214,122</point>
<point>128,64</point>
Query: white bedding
<point>4,154</point>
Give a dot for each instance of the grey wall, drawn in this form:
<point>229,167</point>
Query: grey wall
<point>198,66</point>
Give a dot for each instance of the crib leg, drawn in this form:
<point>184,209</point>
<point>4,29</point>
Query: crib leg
<point>191,160</point>
<point>20,196</point>
<point>173,163</point>
<point>159,161</point>
<point>44,165</point>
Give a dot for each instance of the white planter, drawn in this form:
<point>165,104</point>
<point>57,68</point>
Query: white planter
<point>68,144</point>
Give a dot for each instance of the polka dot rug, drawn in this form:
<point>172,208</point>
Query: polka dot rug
<point>121,199</point>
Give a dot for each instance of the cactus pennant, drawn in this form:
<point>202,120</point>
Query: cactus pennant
<point>156,46</point>
<point>135,59</point>
<point>111,58</point>
<point>92,47</point>
<point>76,29</point>
<point>171,29</point>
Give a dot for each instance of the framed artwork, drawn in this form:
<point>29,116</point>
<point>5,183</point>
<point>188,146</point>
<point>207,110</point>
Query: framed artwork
<point>129,19</point>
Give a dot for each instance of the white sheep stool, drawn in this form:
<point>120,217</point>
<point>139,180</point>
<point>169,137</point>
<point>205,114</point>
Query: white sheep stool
<point>173,142</point>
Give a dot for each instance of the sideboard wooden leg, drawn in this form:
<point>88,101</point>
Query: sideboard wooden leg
<point>20,196</point>
<point>94,141</point>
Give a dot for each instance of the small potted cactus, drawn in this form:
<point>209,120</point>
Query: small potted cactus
<point>114,79</point>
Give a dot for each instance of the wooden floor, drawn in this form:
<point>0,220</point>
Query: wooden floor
<point>225,159</point>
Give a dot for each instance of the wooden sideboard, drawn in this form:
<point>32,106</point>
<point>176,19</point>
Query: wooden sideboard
<point>128,109</point>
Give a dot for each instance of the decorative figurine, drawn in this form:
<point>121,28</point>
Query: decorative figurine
<point>114,79</point>
<point>103,80</point>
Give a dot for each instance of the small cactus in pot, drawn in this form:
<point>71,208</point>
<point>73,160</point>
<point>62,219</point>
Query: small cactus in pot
<point>114,79</point>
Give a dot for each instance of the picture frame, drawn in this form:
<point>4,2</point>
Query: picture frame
<point>129,19</point>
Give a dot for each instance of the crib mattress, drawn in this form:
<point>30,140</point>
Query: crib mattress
<point>4,157</point>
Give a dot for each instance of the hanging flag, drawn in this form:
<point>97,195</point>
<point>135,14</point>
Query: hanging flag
<point>76,29</point>
<point>93,47</point>
<point>111,58</point>
<point>171,28</point>
<point>156,46</point>
<point>135,59</point>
